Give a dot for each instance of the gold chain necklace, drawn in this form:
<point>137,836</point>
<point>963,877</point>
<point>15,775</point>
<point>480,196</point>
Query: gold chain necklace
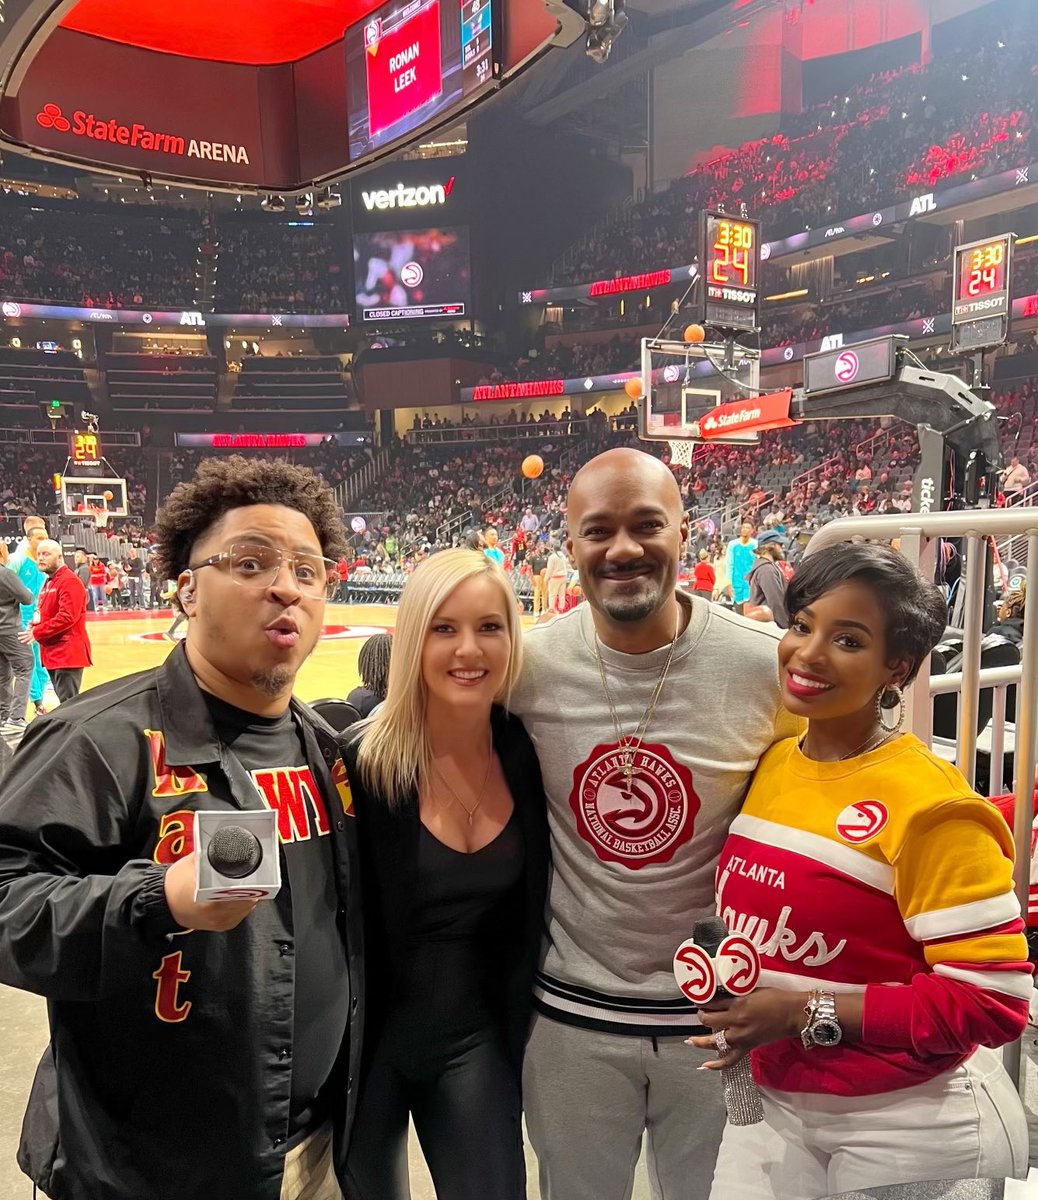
<point>629,746</point>
<point>454,795</point>
<point>863,748</point>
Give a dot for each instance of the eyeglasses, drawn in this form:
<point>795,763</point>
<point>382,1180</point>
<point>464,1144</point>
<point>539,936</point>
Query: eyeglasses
<point>254,565</point>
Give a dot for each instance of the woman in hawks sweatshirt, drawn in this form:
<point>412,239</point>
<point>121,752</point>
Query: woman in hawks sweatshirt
<point>878,888</point>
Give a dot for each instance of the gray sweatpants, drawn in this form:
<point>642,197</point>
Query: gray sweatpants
<point>589,1096</point>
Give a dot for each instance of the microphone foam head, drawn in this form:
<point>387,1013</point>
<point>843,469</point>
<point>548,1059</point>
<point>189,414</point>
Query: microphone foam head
<point>709,933</point>
<point>234,852</point>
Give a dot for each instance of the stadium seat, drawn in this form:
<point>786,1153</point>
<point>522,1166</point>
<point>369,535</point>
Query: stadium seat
<point>339,714</point>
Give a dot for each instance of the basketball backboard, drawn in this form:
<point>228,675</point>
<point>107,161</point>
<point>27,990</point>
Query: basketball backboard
<point>683,381</point>
<point>81,496</point>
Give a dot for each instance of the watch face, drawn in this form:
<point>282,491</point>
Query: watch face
<point>826,1033</point>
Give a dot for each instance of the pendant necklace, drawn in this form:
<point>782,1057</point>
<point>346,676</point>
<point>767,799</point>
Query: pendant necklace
<point>629,746</point>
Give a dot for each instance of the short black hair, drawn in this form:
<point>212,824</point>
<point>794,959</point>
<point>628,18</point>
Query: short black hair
<point>916,611</point>
<point>223,484</point>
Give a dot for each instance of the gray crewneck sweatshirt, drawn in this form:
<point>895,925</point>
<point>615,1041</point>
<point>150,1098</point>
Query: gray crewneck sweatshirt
<point>633,868</point>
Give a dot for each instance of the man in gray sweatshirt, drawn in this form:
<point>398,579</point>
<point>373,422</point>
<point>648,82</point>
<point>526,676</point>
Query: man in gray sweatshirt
<point>658,709</point>
<point>16,661</point>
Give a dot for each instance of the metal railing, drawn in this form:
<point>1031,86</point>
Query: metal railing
<point>920,535</point>
<point>1015,549</point>
<point>355,485</point>
<point>465,435</point>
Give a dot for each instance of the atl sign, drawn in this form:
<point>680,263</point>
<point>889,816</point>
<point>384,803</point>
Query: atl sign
<point>87,125</point>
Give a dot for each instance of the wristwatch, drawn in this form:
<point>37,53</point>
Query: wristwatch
<point>823,1025</point>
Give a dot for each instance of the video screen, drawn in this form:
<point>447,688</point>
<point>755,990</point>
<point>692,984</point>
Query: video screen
<point>404,274</point>
<point>411,61</point>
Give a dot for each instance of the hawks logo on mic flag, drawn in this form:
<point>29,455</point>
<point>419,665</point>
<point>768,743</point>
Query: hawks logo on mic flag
<point>862,821</point>
<point>735,968</point>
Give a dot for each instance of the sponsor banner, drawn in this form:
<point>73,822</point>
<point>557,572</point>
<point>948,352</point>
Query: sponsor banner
<point>746,416</point>
<point>921,205</point>
<point>268,441</point>
<point>643,282</point>
<point>189,317</point>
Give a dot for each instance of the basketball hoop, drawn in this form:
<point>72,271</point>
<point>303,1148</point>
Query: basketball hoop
<point>100,515</point>
<point>681,453</point>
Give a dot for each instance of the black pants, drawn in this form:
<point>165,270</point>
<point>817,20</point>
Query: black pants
<point>67,681</point>
<point>466,1108</point>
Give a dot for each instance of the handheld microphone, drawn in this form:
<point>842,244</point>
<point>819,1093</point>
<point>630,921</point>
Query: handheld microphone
<point>237,855</point>
<point>234,852</point>
<point>714,964</point>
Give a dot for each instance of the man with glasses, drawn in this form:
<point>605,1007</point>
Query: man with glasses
<point>198,1049</point>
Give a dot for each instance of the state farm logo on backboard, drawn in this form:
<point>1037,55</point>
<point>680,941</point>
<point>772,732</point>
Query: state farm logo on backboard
<point>638,822</point>
<point>137,136</point>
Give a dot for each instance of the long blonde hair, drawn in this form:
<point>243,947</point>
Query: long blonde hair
<point>394,755</point>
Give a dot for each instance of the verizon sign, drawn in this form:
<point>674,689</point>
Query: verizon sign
<point>82,124</point>
<point>402,196</point>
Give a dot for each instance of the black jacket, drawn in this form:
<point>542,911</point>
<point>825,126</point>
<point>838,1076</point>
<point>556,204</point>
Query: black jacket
<point>137,1099</point>
<point>388,841</point>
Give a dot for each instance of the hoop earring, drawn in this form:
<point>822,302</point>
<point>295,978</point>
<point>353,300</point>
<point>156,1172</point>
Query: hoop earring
<point>882,698</point>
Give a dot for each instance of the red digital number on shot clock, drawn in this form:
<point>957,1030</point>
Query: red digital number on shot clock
<point>730,254</point>
<point>983,271</point>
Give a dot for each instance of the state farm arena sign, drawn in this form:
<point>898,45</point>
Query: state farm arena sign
<point>90,126</point>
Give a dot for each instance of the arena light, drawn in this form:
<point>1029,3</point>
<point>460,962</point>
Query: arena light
<point>273,204</point>
<point>304,203</point>
<point>326,198</point>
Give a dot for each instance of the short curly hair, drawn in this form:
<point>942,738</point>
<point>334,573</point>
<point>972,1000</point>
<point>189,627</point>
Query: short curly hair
<point>222,484</point>
<point>915,609</point>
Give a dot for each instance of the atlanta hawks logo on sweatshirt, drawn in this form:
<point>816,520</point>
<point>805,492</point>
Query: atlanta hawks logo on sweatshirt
<point>638,821</point>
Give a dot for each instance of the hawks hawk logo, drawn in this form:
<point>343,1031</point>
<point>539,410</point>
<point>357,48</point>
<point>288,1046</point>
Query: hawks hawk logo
<point>862,821</point>
<point>639,822</point>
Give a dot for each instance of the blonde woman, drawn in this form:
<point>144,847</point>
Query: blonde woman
<point>454,845</point>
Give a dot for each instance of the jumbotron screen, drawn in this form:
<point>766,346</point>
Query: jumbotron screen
<point>411,62</point>
<point>404,274</point>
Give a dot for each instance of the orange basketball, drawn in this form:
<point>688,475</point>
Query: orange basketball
<point>108,495</point>
<point>634,389</point>
<point>695,333</point>
<point>532,466</point>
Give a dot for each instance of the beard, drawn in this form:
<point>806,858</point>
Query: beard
<point>274,682</point>
<point>636,605</point>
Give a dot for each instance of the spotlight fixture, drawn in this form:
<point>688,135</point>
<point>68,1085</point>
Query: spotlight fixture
<point>273,203</point>
<point>304,203</point>
<point>326,198</point>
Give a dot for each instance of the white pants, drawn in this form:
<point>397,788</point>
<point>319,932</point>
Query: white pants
<point>556,588</point>
<point>966,1124</point>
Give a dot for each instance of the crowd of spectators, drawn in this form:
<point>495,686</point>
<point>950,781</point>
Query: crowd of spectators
<point>966,114</point>
<point>275,267</point>
<point>107,259</point>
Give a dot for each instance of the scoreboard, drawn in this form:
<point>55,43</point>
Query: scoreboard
<point>730,265</point>
<point>980,292</point>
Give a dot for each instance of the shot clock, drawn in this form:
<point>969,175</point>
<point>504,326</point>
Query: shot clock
<point>980,292</point>
<point>730,265</point>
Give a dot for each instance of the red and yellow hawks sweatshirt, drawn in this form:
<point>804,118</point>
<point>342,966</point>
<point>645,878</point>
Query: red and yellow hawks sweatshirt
<point>885,875</point>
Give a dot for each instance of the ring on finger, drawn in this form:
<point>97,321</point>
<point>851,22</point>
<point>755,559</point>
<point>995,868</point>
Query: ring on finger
<point>721,1042</point>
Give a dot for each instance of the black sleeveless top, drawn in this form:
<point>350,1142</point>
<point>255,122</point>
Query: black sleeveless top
<point>446,990</point>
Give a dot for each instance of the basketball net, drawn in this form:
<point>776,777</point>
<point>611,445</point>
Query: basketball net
<point>100,515</point>
<point>681,453</point>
